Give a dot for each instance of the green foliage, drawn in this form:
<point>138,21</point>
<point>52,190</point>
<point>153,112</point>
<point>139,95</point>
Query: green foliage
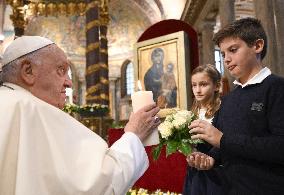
<point>157,151</point>
<point>172,147</point>
<point>185,148</point>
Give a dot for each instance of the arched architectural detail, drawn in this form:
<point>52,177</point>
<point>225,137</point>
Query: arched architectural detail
<point>160,6</point>
<point>123,78</point>
<point>192,10</point>
<point>152,9</point>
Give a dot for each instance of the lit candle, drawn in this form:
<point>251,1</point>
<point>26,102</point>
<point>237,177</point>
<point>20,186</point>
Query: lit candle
<point>140,99</point>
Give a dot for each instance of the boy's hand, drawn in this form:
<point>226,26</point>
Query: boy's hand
<point>200,161</point>
<point>204,130</point>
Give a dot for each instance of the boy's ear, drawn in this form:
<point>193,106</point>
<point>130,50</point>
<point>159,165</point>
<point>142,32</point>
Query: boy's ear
<point>259,44</point>
<point>27,72</point>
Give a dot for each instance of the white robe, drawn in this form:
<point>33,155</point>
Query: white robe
<point>44,151</point>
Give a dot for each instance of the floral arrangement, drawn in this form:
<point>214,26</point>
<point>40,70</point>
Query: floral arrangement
<point>70,108</point>
<point>174,134</point>
<point>95,109</point>
<point>142,191</point>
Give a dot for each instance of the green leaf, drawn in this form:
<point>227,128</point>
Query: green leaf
<point>172,146</point>
<point>156,151</point>
<point>185,148</point>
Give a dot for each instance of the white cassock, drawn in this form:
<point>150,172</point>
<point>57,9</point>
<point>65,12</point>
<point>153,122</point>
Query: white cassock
<point>45,151</point>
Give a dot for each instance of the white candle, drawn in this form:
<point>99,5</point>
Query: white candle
<point>141,99</point>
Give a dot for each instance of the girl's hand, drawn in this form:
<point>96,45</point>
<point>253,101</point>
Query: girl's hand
<point>204,130</point>
<point>200,161</point>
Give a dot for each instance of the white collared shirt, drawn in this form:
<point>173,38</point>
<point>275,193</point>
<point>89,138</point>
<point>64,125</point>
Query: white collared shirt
<point>258,78</point>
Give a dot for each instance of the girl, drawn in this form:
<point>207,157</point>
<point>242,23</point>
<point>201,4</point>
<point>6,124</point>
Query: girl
<point>206,83</point>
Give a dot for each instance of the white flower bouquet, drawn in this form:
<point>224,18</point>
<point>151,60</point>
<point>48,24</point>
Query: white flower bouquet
<point>174,134</point>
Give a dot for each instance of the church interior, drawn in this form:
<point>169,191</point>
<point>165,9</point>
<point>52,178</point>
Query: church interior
<point>100,40</point>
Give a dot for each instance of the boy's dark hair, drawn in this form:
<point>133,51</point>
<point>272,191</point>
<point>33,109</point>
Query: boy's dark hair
<point>247,29</point>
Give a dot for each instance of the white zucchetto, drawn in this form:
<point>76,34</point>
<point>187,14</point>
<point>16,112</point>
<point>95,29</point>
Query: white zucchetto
<point>23,46</point>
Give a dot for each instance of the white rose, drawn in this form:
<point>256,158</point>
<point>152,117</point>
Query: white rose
<point>165,129</point>
<point>179,122</point>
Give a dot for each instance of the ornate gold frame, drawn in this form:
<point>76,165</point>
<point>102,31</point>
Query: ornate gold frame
<point>176,51</point>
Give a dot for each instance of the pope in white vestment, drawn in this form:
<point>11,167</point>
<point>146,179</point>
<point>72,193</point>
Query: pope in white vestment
<point>44,151</point>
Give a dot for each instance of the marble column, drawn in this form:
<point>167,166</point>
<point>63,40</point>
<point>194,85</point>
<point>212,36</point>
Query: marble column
<point>226,12</point>
<point>227,16</point>
<point>104,79</point>
<point>207,44</point>
<point>279,16</point>
<point>92,53</point>
<point>264,11</point>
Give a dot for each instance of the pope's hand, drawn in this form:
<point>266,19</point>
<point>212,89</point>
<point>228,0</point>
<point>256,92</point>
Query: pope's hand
<point>206,131</point>
<point>200,161</point>
<point>144,121</point>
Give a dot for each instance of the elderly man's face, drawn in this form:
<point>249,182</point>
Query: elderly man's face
<point>52,76</point>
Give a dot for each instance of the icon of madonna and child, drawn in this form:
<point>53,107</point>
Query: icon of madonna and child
<point>160,79</point>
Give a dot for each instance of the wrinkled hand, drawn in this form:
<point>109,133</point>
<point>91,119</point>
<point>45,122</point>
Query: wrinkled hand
<point>144,121</point>
<point>204,130</point>
<point>200,161</point>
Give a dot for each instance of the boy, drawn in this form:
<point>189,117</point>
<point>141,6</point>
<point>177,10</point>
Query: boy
<point>249,133</point>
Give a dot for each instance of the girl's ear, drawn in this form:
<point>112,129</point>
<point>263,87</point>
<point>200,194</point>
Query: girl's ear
<point>27,72</point>
<point>259,44</point>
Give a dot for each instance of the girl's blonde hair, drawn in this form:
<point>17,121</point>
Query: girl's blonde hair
<point>215,102</point>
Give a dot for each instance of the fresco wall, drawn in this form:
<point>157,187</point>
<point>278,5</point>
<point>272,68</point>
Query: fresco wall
<point>67,32</point>
<point>127,23</point>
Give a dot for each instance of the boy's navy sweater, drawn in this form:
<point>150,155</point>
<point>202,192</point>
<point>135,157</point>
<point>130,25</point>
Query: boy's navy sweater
<point>252,145</point>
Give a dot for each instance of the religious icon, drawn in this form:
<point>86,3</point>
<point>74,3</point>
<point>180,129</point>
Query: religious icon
<point>169,87</point>
<point>161,80</point>
<point>152,78</point>
<point>162,65</point>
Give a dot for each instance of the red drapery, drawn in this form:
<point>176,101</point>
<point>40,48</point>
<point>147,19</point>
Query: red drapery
<point>165,173</point>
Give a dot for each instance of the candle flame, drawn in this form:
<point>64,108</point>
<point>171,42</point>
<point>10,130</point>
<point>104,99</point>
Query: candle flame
<point>139,86</point>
